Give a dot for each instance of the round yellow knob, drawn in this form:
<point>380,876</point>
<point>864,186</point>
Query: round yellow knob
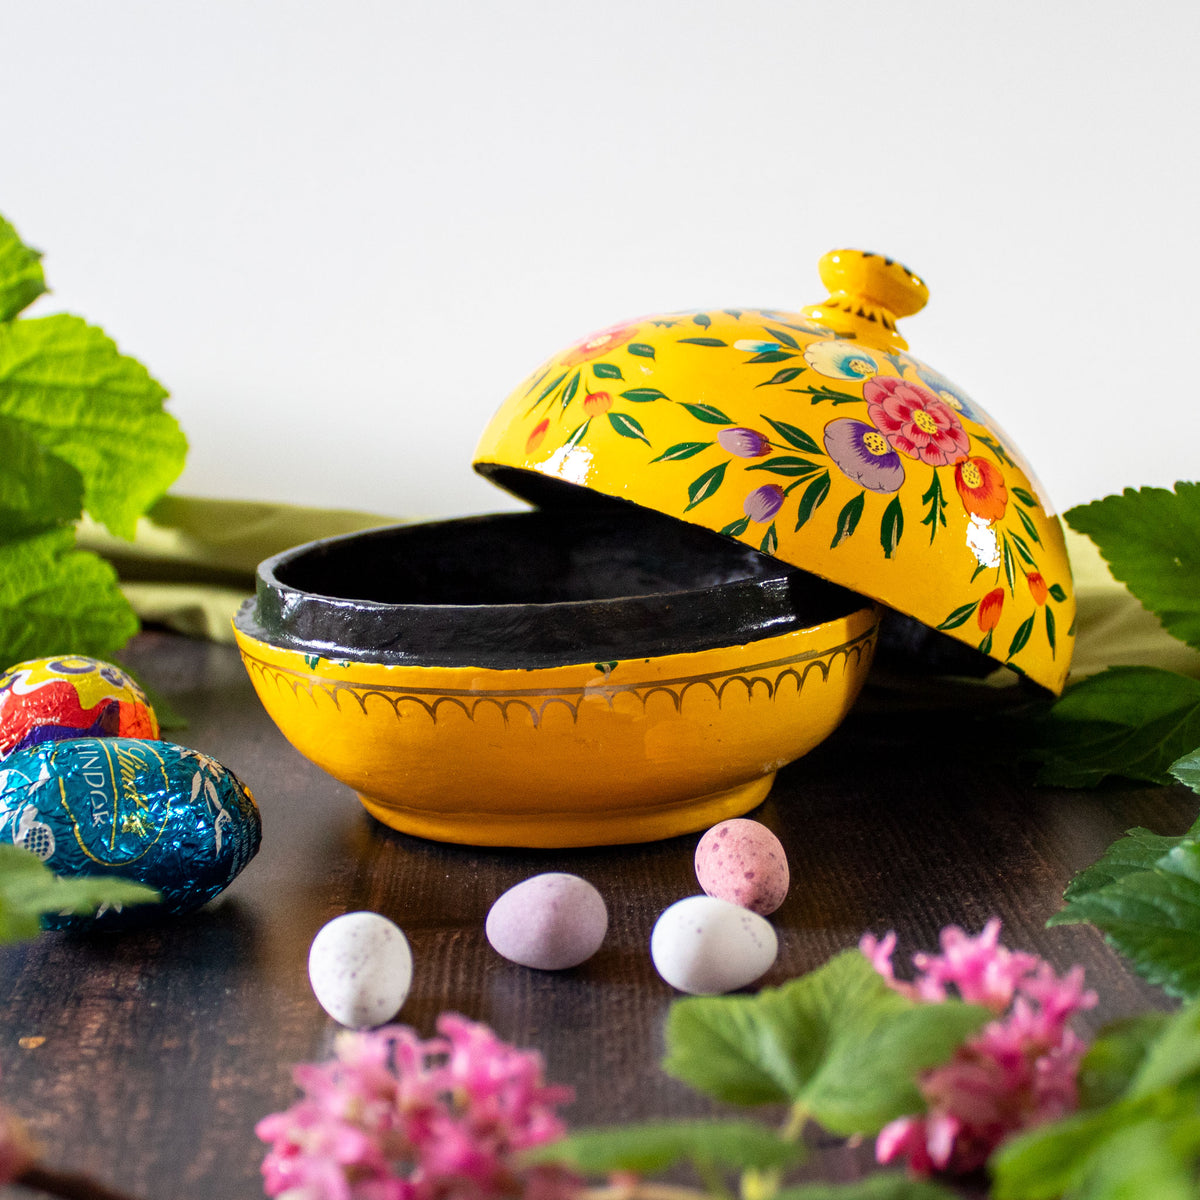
<point>867,293</point>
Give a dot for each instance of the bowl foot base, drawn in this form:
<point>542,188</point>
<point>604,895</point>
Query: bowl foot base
<point>560,830</point>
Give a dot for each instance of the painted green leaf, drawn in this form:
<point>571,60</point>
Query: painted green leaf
<point>21,278</point>
<point>935,507</point>
<point>736,528</point>
<point>703,341</point>
<point>571,388</point>
<point>1023,550</point>
<point>1051,634</point>
<point>99,410</point>
<point>784,376</point>
<point>770,356</point>
<point>626,426</point>
<point>838,1041</point>
<point>985,643</point>
<point>891,528</point>
<point>812,499</point>
<point>820,394</point>
<point>1024,497</point>
<point>29,889</point>
<point>1056,590</point>
<point>607,371</point>
<point>960,616</point>
<point>658,1145</point>
<point>704,486</point>
<point>1010,566</point>
<point>640,350</point>
<point>1021,637</point>
<point>703,320</point>
<point>38,490</point>
<point>786,464</point>
<point>709,414</point>
<point>576,434</point>
<point>794,436</point>
<point>848,519</point>
<point>681,450</point>
<point>55,599</point>
<point>642,395</point>
<point>1129,721</point>
<point>783,336</point>
<point>1151,541</point>
<point>770,542</point>
<point>1030,528</point>
<point>550,387</point>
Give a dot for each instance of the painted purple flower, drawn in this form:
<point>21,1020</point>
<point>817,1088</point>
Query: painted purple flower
<point>864,454</point>
<point>745,443</point>
<point>764,502</point>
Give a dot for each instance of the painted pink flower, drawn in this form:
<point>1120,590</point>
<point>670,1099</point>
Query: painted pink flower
<point>745,443</point>
<point>915,421</point>
<point>393,1117</point>
<point>1018,1072</point>
<point>764,502</point>
<point>599,344</point>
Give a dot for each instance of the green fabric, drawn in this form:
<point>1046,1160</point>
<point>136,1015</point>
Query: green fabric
<point>192,564</point>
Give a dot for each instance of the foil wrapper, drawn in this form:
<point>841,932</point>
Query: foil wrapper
<point>70,696</point>
<point>151,811</point>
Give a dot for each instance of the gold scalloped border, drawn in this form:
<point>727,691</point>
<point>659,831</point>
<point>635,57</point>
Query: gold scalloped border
<point>797,667</point>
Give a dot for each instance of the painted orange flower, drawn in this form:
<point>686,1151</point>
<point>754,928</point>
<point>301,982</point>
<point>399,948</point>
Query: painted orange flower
<point>981,485</point>
<point>595,403</point>
<point>598,344</point>
<point>988,615</point>
<point>1037,587</point>
<point>536,437</point>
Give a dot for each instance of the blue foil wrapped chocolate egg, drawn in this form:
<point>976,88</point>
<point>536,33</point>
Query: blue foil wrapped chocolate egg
<point>161,814</point>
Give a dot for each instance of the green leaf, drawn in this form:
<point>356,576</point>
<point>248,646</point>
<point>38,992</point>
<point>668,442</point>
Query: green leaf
<point>642,395</point>
<point>1024,497</point>
<point>848,519</point>
<point>1152,917</point>
<point>576,435</point>
<point>1010,566</point>
<point>839,1042</point>
<point>785,464</point>
<point>702,319</point>
<point>1138,850</point>
<point>736,528</point>
<point>571,388</point>
<point>704,486</point>
<point>812,499</point>
<point>95,408</point>
<point>640,350</point>
<point>784,376</point>
<point>1115,1057</point>
<point>886,1185</point>
<point>935,507</point>
<point>38,490</point>
<point>1030,528</point>
<point>1023,550</point>
<point>1150,538</point>
<point>28,889</point>
<point>794,436</point>
<point>783,337</point>
<point>550,387</point>
<point>1021,637</point>
<point>1130,721</point>
<point>709,414</point>
<point>655,1146</point>
<point>21,278</point>
<point>770,356</point>
<point>606,371</point>
<point>626,426</point>
<point>1058,592</point>
<point>960,616</point>
<point>681,450</point>
<point>820,394</point>
<point>1187,770</point>
<point>1173,1057</point>
<point>1051,637</point>
<point>702,341</point>
<point>891,528</point>
<point>770,542</point>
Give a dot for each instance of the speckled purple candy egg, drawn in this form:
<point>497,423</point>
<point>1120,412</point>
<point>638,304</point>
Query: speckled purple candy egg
<point>743,862</point>
<point>551,921</point>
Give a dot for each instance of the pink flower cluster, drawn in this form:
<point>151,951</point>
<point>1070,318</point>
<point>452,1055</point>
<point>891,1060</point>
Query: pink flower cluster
<point>1017,1072</point>
<point>393,1117</point>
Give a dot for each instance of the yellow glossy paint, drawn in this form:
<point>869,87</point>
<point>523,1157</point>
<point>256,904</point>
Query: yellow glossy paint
<point>578,755</point>
<point>815,437</point>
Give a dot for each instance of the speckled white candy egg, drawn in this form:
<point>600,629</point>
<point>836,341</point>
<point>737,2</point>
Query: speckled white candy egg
<point>707,946</point>
<point>743,862</point>
<point>551,921</point>
<point>361,968</point>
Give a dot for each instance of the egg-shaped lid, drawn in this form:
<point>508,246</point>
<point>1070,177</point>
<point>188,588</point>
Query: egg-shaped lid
<point>817,438</point>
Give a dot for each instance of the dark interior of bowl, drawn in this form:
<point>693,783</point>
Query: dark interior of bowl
<point>531,589</point>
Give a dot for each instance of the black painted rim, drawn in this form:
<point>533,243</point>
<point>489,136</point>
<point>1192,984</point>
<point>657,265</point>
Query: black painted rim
<point>306,597</point>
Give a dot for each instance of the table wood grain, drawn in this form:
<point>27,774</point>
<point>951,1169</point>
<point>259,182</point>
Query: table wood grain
<point>146,1058</point>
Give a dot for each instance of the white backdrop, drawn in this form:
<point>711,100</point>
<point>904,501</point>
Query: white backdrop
<point>339,233</point>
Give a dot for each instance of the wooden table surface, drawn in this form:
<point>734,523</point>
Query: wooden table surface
<point>146,1058</point>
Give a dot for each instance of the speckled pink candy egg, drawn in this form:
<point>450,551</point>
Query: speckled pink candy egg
<point>551,922</point>
<point>743,862</point>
